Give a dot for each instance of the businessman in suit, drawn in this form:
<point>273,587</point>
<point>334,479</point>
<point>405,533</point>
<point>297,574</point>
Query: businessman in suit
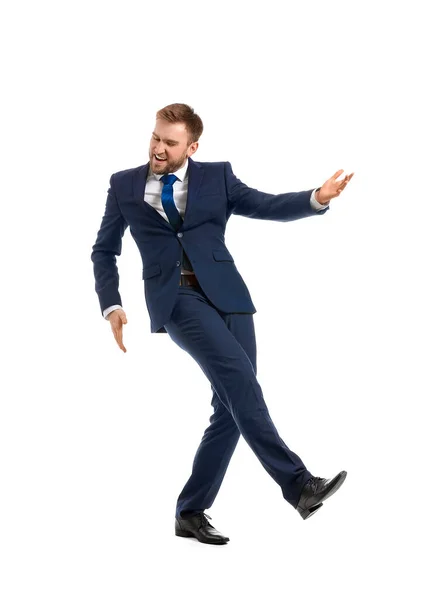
<point>177,210</point>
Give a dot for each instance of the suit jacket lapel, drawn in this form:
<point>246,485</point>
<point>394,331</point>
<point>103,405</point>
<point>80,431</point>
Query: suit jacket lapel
<point>139,185</point>
<point>195,174</point>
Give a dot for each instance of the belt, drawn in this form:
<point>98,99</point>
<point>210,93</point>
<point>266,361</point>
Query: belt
<point>188,280</point>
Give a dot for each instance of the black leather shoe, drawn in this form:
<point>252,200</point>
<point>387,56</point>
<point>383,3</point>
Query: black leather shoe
<point>198,526</point>
<point>315,491</point>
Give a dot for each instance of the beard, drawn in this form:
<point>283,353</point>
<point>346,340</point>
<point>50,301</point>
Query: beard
<point>168,166</point>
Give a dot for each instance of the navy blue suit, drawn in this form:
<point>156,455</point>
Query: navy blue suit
<point>213,323</point>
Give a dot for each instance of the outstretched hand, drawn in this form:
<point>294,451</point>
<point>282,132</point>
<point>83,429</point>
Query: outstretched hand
<point>117,319</point>
<point>332,188</point>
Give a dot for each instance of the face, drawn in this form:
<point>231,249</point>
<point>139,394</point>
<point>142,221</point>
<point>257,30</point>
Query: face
<point>169,141</point>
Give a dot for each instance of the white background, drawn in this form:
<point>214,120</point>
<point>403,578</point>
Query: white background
<point>97,444</point>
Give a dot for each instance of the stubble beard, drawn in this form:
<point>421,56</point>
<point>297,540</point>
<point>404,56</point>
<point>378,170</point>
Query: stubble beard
<point>167,167</point>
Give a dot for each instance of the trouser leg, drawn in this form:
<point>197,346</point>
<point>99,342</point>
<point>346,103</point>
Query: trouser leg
<point>219,441</point>
<point>197,327</point>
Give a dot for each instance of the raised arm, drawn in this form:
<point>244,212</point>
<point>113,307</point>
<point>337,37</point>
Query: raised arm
<point>249,202</point>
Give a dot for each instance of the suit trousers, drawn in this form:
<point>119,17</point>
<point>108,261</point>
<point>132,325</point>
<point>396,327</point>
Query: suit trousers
<point>224,346</point>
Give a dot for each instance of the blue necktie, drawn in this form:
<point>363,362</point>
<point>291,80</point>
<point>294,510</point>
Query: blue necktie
<point>171,211</point>
<point>168,201</point>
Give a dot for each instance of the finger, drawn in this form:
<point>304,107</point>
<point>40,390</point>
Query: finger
<point>337,174</point>
<point>345,181</point>
<point>337,189</point>
<point>121,345</point>
<point>347,178</point>
<point>124,321</point>
<point>118,337</point>
<point>115,332</point>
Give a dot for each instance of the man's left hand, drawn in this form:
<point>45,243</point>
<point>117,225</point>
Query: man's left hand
<point>332,188</point>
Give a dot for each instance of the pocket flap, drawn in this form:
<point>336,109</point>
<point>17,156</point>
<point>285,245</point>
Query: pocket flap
<point>151,270</point>
<point>222,254</point>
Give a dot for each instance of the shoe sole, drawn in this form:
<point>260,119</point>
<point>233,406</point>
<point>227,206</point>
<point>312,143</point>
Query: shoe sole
<point>188,534</point>
<point>308,512</point>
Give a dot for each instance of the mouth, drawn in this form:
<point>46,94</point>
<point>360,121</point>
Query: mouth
<point>158,160</point>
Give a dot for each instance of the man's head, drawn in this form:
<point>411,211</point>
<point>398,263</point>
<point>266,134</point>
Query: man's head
<point>175,137</point>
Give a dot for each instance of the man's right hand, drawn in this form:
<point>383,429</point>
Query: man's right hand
<point>117,319</point>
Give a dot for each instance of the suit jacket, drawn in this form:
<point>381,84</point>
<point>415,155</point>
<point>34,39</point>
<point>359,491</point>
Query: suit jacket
<point>214,194</point>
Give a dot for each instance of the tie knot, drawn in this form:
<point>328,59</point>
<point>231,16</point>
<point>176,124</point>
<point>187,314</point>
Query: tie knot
<point>169,179</point>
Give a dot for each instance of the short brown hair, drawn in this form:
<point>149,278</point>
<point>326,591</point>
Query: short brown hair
<point>183,113</point>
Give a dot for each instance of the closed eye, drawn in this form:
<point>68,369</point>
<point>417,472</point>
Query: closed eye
<point>169,142</point>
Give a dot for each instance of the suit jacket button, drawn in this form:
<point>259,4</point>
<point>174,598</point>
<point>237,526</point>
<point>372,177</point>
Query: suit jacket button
<point>178,263</point>
<point>179,235</point>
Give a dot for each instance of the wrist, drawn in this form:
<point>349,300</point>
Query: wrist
<point>317,195</point>
<point>320,199</point>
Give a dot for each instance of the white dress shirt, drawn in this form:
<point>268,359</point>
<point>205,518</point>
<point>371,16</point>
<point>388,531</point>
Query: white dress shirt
<point>153,193</point>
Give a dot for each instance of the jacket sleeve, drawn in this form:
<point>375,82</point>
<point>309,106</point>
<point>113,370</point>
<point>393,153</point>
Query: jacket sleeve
<point>249,202</point>
<point>108,245</point>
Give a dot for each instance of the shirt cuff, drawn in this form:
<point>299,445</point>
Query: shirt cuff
<point>110,309</point>
<point>314,203</point>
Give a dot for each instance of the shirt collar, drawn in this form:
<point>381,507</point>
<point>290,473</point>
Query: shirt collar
<point>180,173</point>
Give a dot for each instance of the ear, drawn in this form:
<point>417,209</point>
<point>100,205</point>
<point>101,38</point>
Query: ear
<point>193,148</point>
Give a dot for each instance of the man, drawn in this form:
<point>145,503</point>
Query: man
<point>177,210</point>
